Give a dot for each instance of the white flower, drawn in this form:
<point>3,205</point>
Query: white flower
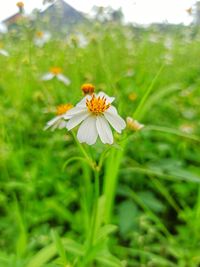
<point>56,72</point>
<point>3,28</point>
<point>59,121</point>
<point>82,41</point>
<point>96,114</point>
<point>78,39</point>
<point>4,53</point>
<point>41,38</point>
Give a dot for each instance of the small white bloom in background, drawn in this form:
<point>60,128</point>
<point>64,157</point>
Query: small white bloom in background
<point>96,114</point>
<point>4,53</point>
<point>3,28</point>
<point>78,39</point>
<point>57,73</point>
<point>133,124</point>
<point>59,121</point>
<point>168,58</point>
<point>82,40</point>
<point>41,38</point>
<point>168,43</point>
<point>154,38</point>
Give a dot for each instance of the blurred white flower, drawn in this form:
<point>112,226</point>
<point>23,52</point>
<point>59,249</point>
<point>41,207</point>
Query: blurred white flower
<point>3,28</point>
<point>168,58</point>
<point>4,53</point>
<point>154,38</point>
<point>96,114</point>
<point>168,43</point>
<point>41,38</point>
<point>58,121</point>
<point>56,72</point>
<point>77,39</point>
<point>82,40</point>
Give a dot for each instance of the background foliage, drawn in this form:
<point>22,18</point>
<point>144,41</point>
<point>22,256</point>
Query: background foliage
<point>44,202</point>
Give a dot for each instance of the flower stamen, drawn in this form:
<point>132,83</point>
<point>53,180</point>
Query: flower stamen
<point>39,34</point>
<point>61,109</point>
<point>55,70</point>
<point>97,105</point>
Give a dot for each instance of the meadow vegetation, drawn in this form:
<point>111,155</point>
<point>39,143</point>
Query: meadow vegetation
<point>133,203</point>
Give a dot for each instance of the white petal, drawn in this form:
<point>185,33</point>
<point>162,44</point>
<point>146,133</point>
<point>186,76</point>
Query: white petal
<point>87,132</point>
<point>54,126</point>
<point>63,79</point>
<point>74,111</point>
<point>62,124</point>
<point>75,120</point>
<point>38,42</point>
<point>104,130</point>
<point>108,98</point>
<point>52,121</point>
<point>4,52</point>
<point>47,76</point>
<point>46,36</point>
<point>82,103</point>
<point>114,119</point>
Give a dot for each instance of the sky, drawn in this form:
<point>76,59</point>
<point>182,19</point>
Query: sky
<point>137,11</point>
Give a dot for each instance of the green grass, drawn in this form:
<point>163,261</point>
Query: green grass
<point>136,203</point>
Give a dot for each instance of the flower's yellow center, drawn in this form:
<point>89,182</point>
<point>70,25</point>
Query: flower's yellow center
<point>97,105</point>
<point>56,70</point>
<point>88,88</point>
<point>61,109</point>
<point>20,4</point>
<point>39,34</point>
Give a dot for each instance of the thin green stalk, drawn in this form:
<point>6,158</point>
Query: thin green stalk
<point>83,151</point>
<point>94,212</point>
<point>94,220</point>
<point>147,93</point>
<point>87,196</point>
<point>172,131</point>
<point>111,179</point>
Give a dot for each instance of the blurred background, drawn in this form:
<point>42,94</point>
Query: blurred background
<point>146,54</point>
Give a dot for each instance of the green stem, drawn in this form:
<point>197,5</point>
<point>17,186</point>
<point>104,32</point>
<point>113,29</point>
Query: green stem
<point>148,91</point>
<point>95,210</point>
<point>111,179</point>
<point>94,220</point>
<point>83,151</point>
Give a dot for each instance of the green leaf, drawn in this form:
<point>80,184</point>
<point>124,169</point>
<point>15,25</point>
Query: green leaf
<point>105,231</point>
<point>50,251</point>
<point>128,215</point>
<point>60,247</point>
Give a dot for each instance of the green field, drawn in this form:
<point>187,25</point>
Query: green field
<point>133,203</point>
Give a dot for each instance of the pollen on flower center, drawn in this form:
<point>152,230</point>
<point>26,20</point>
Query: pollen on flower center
<point>61,109</point>
<point>56,70</point>
<point>39,34</point>
<point>97,105</point>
